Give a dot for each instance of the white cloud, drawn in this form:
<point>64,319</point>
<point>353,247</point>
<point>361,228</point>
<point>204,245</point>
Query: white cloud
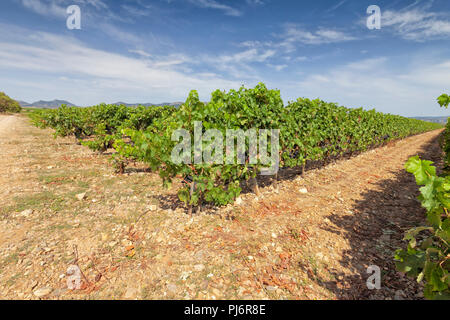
<point>212,4</point>
<point>294,35</point>
<point>137,12</point>
<point>277,67</point>
<point>118,34</point>
<point>53,56</point>
<point>417,24</point>
<point>45,8</point>
<point>336,6</point>
<point>58,8</point>
<point>372,83</point>
<point>255,2</point>
<point>141,53</point>
<point>238,65</point>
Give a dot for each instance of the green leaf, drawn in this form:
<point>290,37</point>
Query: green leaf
<point>422,169</point>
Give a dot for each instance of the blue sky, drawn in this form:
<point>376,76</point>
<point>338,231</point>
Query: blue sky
<point>157,51</point>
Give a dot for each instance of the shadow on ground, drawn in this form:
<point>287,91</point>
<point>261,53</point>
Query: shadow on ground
<point>375,230</point>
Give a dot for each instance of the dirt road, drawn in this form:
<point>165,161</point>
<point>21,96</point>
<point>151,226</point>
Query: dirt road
<point>6,123</point>
<point>313,239</point>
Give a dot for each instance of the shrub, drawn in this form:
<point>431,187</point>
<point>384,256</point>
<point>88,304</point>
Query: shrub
<point>8,105</point>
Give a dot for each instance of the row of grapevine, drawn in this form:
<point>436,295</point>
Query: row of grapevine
<point>99,126</point>
<point>427,256</point>
<point>310,130</point>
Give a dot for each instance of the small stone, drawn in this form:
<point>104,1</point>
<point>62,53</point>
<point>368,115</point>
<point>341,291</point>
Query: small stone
<point>131,293</point>
<point>42,292</point>
<point>399,295</point>
<point>172,288</point>
<point>271,288</point>
<point>238,201</point>
<point>112,243</point>
<point>303,190</point>
<point>126,243</point>
<point>184,275</point>
<point>26,213</point>
<point>199,267</point>
<point>81,196</point>
<point>34,284</point>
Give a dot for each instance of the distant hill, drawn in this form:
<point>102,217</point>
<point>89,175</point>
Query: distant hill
<point>54,104</point>
<point>23,103</point>
<point>442,120</point>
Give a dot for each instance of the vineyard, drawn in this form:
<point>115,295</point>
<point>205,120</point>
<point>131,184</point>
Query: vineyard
<point>341,202</point>
<point>310,131</point>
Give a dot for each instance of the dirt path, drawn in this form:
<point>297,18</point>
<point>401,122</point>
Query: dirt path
<point>134,239</point>
<point>7,123</point>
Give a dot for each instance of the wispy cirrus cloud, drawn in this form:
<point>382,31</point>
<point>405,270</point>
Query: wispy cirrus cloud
<point>58,7</point>
<point>294,35</point>
<point>45,8</point>
<point>417,24</point>
<point>213,4</point>
<point>141,53</point>
<point>255,2</point>
<point>239,65</point>
<point>336,6</point>
<point>137,12</point>
<point>98,9</point>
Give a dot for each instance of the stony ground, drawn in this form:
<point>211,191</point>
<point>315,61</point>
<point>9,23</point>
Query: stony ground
<point>314,238</point>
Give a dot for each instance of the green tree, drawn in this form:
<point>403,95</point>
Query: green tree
<point>7,104</point>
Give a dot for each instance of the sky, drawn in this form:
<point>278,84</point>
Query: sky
<point>157,51</point>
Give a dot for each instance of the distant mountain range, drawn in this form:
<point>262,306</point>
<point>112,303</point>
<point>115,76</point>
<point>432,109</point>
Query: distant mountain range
<point>57,103</point>
<point>442,120</point>
<point>45,104</point>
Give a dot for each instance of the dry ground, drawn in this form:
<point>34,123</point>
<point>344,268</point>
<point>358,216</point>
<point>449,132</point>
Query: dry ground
<point>135,241</point>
